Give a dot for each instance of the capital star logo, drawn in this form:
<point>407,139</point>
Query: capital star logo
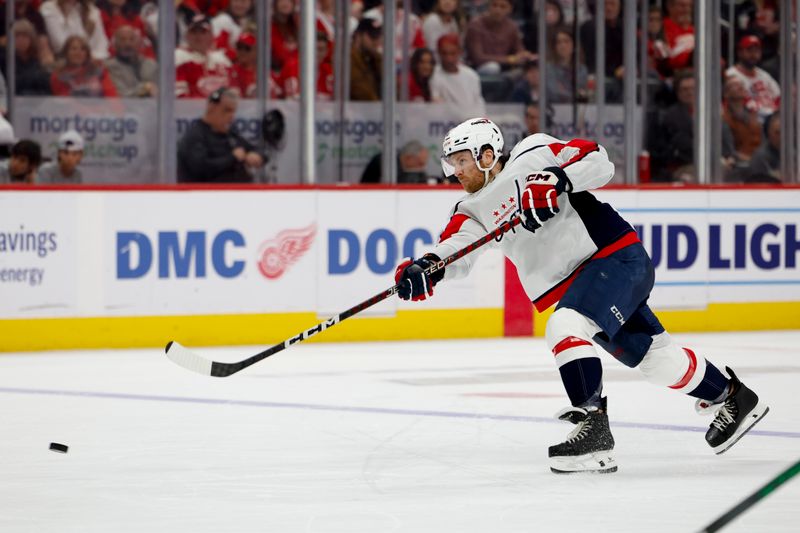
<point>275,256</point>
<point>505,206</point>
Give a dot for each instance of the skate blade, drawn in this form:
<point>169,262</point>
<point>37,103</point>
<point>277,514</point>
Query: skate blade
<point>755,416</point>
<point>594,463</point>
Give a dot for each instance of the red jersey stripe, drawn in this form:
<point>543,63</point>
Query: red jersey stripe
<point>555,294</point>
<point>584,148</point>
<point>689,373</point>
<point>570,342</point>
<point>456,221</point>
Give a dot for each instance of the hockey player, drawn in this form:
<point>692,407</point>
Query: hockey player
<point>579,252</point>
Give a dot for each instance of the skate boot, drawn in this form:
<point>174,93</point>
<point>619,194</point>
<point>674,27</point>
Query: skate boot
<point>735,416</point>
<point>590,445</point>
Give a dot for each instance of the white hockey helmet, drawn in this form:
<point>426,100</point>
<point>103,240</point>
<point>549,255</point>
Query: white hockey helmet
<point>472,135</point>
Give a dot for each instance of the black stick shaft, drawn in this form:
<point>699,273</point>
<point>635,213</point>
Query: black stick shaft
<point>226,369</point>
<point>754,498</point>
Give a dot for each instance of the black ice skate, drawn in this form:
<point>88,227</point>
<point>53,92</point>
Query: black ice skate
<point>736,416</point>
<point>590,446</point>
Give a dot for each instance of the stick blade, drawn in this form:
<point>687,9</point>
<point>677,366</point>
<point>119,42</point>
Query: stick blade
<point>186,358</point>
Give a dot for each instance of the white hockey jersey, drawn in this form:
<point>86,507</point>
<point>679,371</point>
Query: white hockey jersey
<point>547,260</point>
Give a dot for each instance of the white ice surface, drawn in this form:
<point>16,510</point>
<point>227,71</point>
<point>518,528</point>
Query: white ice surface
<point>377,438</point>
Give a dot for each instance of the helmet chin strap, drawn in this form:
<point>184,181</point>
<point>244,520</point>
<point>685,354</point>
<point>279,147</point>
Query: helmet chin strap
<point>486,171</point>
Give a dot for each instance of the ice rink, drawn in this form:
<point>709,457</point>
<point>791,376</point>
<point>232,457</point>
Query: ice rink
<point>446,436</point>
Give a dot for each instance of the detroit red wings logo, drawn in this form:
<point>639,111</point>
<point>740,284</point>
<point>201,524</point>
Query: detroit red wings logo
<point>276,255</point>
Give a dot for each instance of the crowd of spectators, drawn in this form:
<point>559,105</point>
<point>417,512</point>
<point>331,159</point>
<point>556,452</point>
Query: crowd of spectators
<point>750,102</point>
<point>462,52</point>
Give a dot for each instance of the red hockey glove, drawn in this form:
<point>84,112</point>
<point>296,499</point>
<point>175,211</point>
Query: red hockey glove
<point>414,283</point>
<point>539,201</point>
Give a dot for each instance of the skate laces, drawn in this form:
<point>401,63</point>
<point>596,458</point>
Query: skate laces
<point>725,415</point>
<point>580,430</point>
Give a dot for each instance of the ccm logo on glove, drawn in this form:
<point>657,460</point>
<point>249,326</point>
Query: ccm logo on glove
<point>413,280</point>
<point>539,202</point>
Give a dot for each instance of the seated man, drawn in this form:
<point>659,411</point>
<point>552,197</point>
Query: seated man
<point>454,82</point>
<point>133,74</point>
<point>65,168</point>
<point>493,40</point>
<point>25,158</point>
<point>210,152</point>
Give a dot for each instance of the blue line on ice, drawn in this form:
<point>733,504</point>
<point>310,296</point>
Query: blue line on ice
<point>355,409</point>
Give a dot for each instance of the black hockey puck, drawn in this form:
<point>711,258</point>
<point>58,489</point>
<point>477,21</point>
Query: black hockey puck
<point>60,448</point>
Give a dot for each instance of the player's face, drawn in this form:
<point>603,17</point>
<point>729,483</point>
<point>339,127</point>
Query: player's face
<point>466,170</point>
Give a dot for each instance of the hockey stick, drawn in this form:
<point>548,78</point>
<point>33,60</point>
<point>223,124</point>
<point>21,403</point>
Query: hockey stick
<point>188,359</point>
<point>754,498</point>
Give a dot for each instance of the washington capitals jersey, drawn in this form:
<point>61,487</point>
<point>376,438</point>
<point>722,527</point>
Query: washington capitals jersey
<point>547,260</point>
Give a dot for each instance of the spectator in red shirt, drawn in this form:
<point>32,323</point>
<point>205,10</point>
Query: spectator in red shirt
<point>657,50</point>
<point>244,69</point>
<point>285,32</point>
<point>419,82</point>
<point>290,74</point>
<point>679,33</point>
<point>229,24</point>
<point>764,91</point>
<point>78,75</point>
<point>199,70</point>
